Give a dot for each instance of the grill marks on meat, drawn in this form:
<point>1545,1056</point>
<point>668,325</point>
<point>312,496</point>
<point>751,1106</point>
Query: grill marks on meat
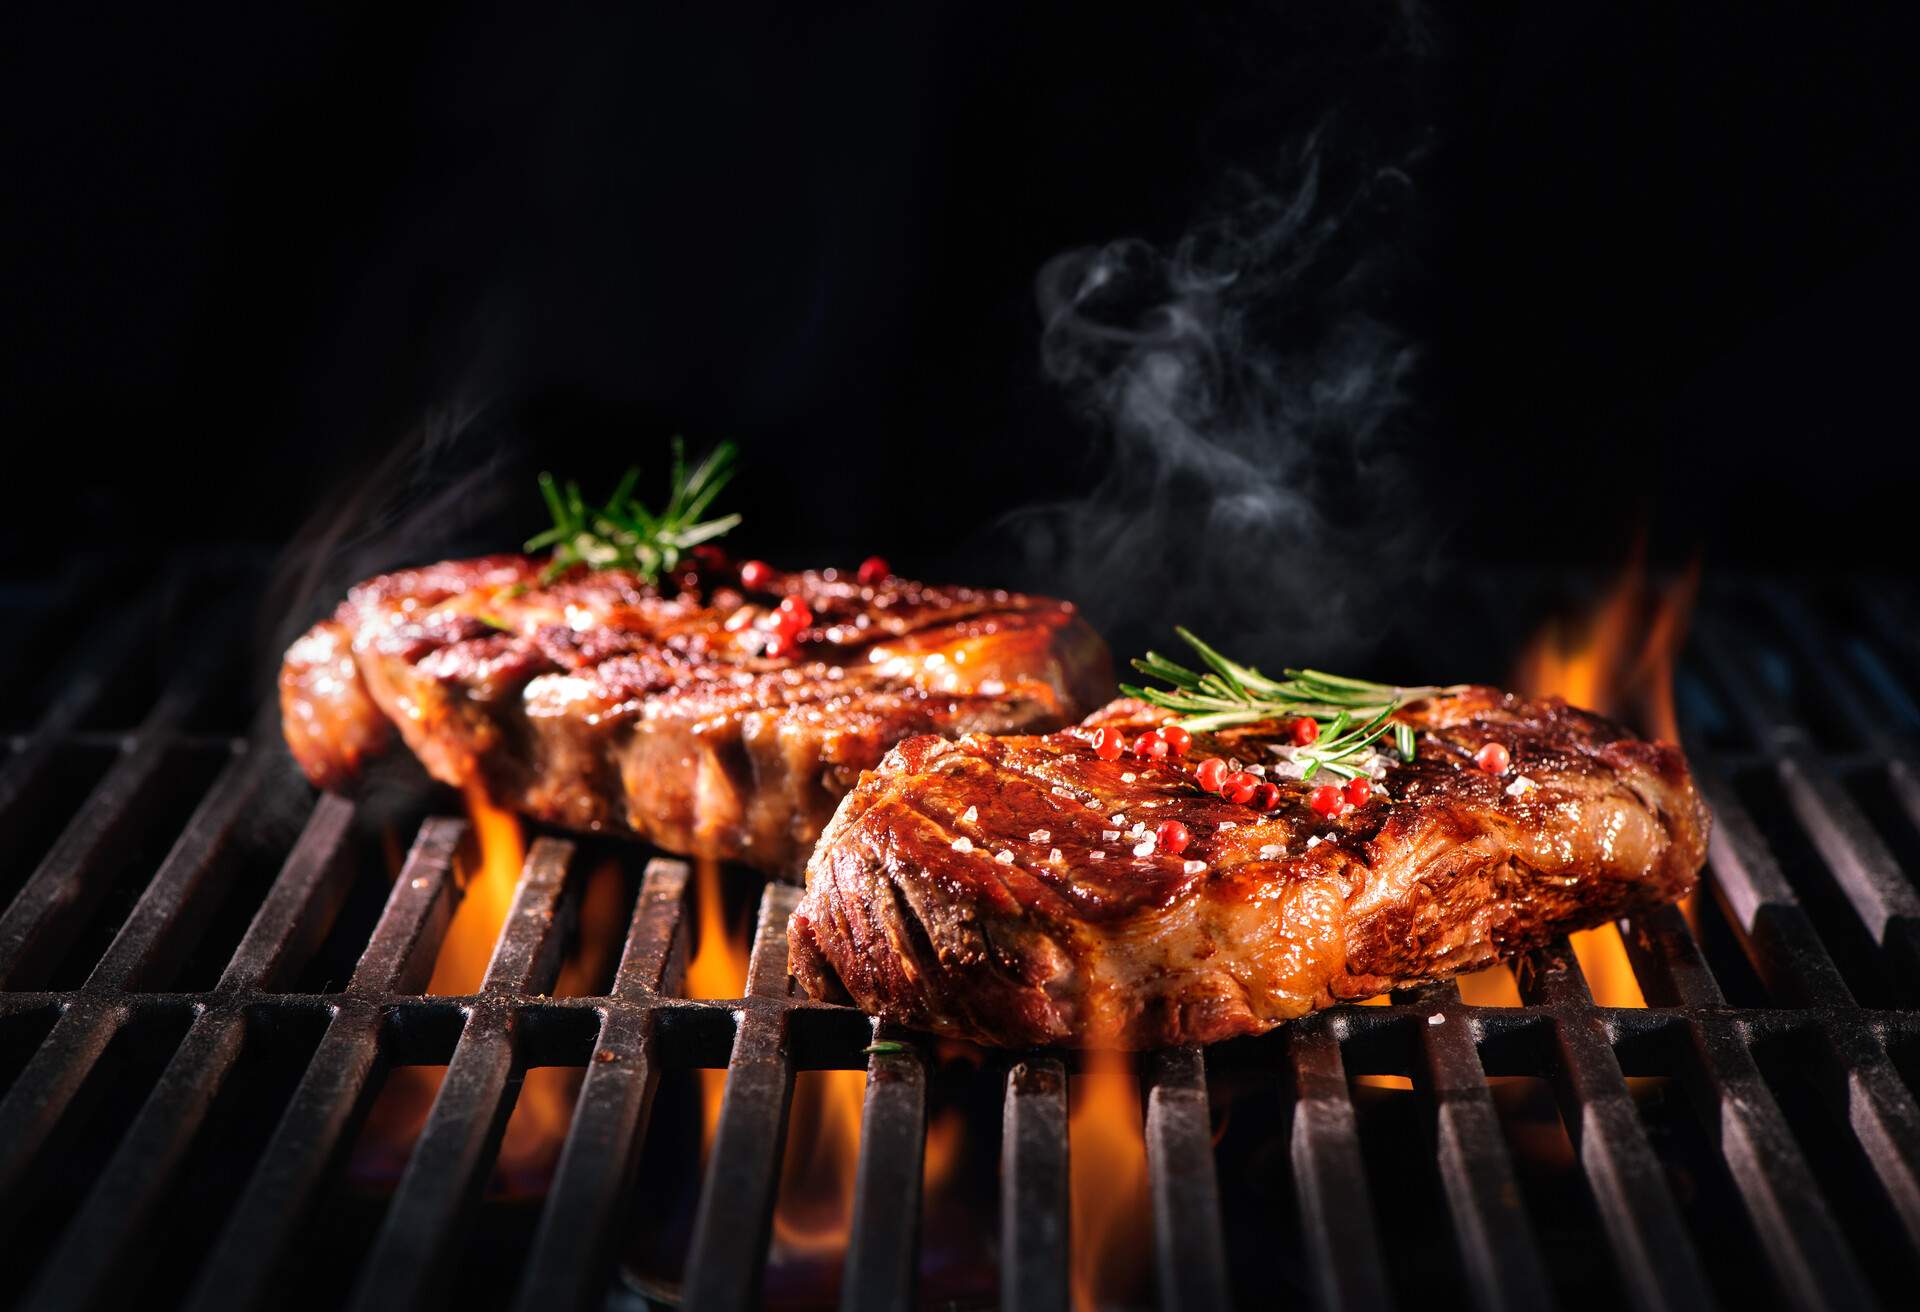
<point>983,888</point>
<point>600,703</point>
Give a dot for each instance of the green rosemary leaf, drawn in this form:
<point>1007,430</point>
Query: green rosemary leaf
<point>622,533</point>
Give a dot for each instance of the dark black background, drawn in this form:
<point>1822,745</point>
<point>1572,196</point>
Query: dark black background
<point>1661,264</point>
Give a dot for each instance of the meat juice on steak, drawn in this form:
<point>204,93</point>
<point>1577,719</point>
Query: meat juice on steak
<point>989,888</point>
<point>602,703</point>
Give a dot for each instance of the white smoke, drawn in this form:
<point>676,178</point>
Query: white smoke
<point>1252,397</point>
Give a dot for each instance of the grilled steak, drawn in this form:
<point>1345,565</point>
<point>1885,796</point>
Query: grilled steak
<point>601,703</point>
<point>1009,890</point>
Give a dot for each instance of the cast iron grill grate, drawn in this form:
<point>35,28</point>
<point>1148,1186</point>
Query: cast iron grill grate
<point>155,960</point>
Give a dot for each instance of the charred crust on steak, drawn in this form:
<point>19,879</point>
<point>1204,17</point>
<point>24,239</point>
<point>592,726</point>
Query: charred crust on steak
<point>602,703</point>
<point>1261,917</point>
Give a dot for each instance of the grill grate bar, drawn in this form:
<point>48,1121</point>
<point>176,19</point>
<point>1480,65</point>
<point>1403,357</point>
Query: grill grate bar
<point>89,1268</point>
<point>1666,960</point>
<point>164,923</point>
<point>1190,1258</point>
<point>449,1162</point>
<point>884,1239</point>
<point>1329,1175</point>
<point>1798,1236</point>
<point>44,1091</point>
<point>85,1270</point>
<point>103,655</point>
<point>301,905</point>
<point>1034,1187</point>
<point>1493,1230</point>
<point>338,1082</point>
<point>1786,951</point>
<point>1628,1185</point>
<point>50,911</point>
<point>573,1247</point>
<point>734,1220</point>
<point>1865,871</point>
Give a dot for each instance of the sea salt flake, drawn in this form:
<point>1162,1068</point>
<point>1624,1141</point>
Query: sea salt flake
<point>1139,828</point>
<point>1117,818</point>
<point>1040,836</point>
<point>1111,835</point>
<point>1269,851</point>
<point>1058,791</point>
<point>1054,856</point>
<point>1313,842</point>
<point>1225,825</point>
<point>1128,777</point>
<point>963,844</point>
<point>1004,858</point>
<point>971,814</point>
<point>1194,867</point>
<point>1144,847</point>
<point>1521,784</point>
<point>1436,1020</point>
<point>1097,856</point>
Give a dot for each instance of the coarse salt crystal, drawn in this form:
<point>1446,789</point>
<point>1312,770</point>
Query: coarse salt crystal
<point>971,814</point>
<point>1270,851</point>
<point>963,844</point>
<point>1058,791</point>
<point>1139,828</point>
<point>1313,842</point>
<point>1194,867</point>
<point>1054,856</point>
<point>1128,777</point>
<point>1521,784</point>
<point>1097,856</point>
<point>1144,847</point>
<point>1436,1020</point>
<point>1225,825</point>
<point>1111,835</point>
<point>1117,818</point>
<point>1040,836</point>
<point>1004,858</point>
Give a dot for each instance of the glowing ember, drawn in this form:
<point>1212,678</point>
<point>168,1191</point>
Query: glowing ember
<point>1107,1152</point>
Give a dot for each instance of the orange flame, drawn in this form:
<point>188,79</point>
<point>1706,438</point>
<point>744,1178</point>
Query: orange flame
<point>1108,1161</point>
<point>815,1213</point>
<point>718,970</point>
<point>1617,660</point>
<point>488,876</point>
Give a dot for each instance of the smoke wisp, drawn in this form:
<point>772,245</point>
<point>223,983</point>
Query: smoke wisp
<point>1251,395</point>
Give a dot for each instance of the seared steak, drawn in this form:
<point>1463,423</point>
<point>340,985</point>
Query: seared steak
<point>600,703</point>
<point>1010,890</point>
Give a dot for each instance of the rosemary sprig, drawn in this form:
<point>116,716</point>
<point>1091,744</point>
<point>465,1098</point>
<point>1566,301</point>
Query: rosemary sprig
<point>1352,713</point>
<point>623,533</point>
